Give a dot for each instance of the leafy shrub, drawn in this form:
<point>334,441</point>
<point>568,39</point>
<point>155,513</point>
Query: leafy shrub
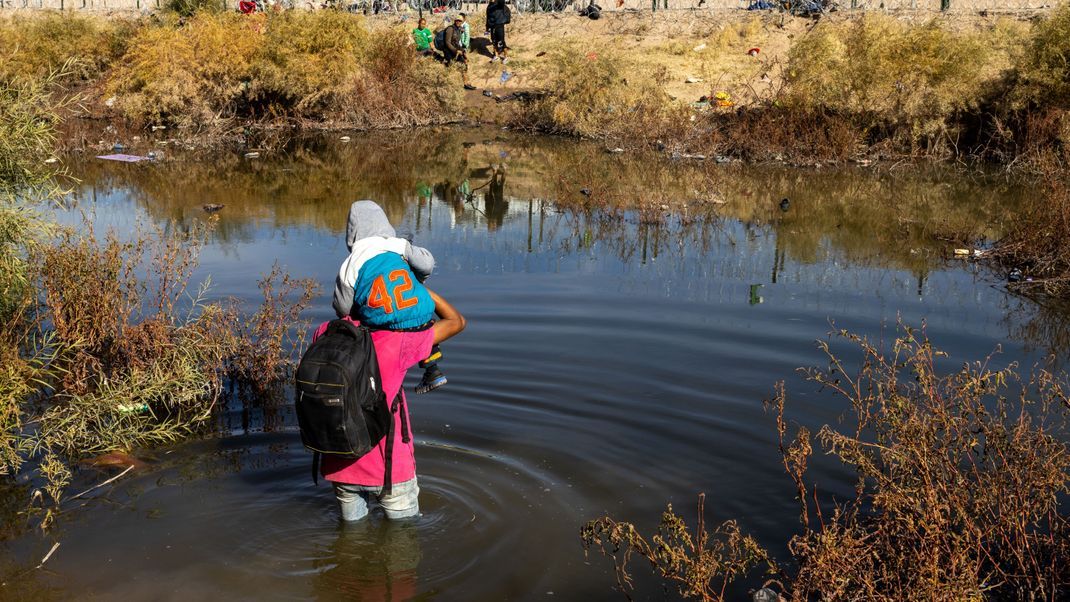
<point>309,59</point>
<point>188,8</point>
<point>913,79</point>
<point>1044,70</point>
<point>83,47</point>
<point>193,74</point>
<point>296,64</point>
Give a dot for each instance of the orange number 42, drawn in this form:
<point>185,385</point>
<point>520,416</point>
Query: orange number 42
<point>380,298</point>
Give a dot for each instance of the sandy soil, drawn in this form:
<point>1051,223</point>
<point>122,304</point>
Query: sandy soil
<point>695,53</point>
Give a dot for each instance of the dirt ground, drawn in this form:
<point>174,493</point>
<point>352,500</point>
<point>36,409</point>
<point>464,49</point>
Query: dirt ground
<point>694,53</point>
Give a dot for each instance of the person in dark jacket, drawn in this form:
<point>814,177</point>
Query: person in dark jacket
<point>455,50</point>
<point>497,17</point>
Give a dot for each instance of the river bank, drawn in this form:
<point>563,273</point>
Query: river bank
<point>846,87</point>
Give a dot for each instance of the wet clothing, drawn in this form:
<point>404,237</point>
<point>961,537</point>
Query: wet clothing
<point>396,353</point>
<point>423,38</point>
<point>380,283</point>
<point>402,501</point>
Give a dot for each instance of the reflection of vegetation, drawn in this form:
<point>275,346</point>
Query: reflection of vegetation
<point>959,479</point>
<point>884,220</point>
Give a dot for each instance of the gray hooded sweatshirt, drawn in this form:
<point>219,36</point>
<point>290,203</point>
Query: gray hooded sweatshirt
<point>369,233</point>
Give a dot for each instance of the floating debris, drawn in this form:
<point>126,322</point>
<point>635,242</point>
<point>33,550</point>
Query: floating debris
<point>123,158</point>
<point>753,298</point>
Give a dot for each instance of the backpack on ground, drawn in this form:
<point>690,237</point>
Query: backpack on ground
<point>340,403</point>
<point>440,40</point>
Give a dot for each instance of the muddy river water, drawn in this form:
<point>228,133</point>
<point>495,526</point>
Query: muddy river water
<point>615,360</point>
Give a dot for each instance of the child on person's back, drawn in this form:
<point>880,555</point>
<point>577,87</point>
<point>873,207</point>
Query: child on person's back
<point>380,284</point>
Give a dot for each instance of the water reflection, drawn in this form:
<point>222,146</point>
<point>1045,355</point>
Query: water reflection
<point>373,561</point>
<point>616,356</point>
<point>884,220</point>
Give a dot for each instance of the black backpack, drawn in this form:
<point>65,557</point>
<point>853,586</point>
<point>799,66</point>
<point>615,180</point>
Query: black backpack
<point>440,40</point>
<point>340,403</point>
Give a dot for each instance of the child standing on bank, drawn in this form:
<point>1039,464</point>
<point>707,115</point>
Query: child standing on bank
<point>380,284</point>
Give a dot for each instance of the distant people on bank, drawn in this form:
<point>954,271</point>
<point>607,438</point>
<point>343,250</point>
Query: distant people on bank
<point>452,49</point>
<point>423,38</point>
<point>466,33</point>
<point>498,16</point>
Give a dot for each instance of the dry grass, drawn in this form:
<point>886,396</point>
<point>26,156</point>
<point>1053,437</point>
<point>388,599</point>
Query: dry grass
<point>121,354</point>
<point>701,565</point>
<point>323,65</point>
<point>82,47</point>
<point>959,478</point>
<point>912,81</point>
<point>600,94</point>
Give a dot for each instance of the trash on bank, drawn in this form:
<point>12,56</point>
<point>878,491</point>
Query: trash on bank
<point>252,155</point>
<point>691,79</point>
<point>964,253</point>
<point>754,51</point>
<point>699,48</point>
<point>123,158</point>
<point>212,207</point>
<point>133,408</point>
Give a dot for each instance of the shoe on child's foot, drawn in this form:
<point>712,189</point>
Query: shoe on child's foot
<point>505,60</point>
<point>433,379</point>
<point>494,59</point>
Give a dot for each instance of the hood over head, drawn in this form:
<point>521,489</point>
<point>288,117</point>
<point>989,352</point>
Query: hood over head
<point>366,218</point>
